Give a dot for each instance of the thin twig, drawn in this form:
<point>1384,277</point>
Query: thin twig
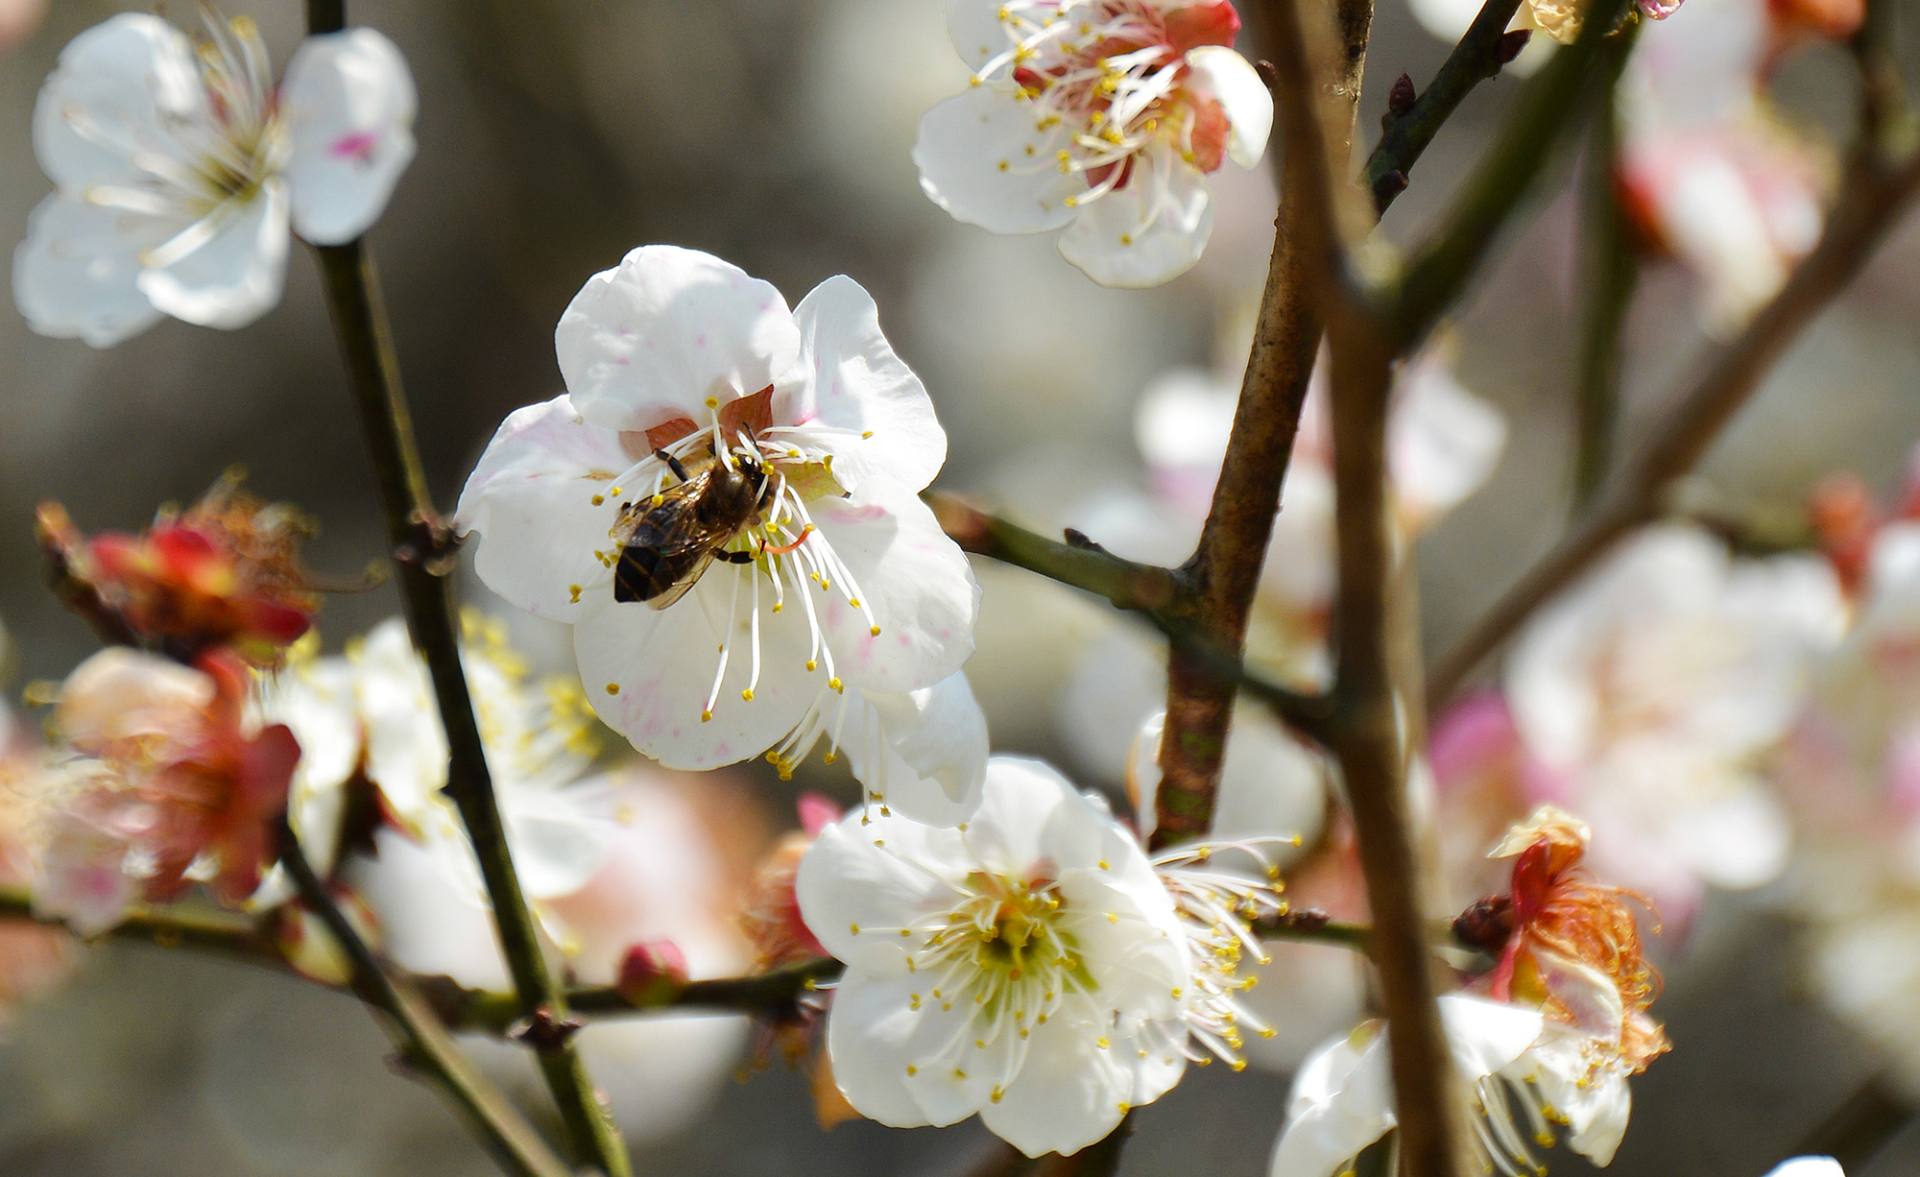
<point>425,1045</point>
<point>1405,135</point>
<point>1079,562</point>
<point>1870,205</point>
<point>1160,596</point>
<point>1440,268</point>
<point>1224,569</point>
<point>1612,268</point>
<point>423,553</point>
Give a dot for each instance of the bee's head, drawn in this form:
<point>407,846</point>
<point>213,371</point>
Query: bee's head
<point>752,471</point>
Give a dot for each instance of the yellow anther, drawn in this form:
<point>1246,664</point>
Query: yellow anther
<point>746,696</point>
<point>614,491</point>
<point>996,1095</point>
<point>1003,165</point>
<point>854,928</point>
<point>706,716</point>
<point>1105,865</point>
<point>912,1070</point>
<point>613,688</point>
<point>874,631</point>
<point>713,402</point>
<point>837,685</point>
<point>599,499</point>
<point>812,665</point>
<point>573,593</point>
<point>1103,1042</point>
<point>657,499</point>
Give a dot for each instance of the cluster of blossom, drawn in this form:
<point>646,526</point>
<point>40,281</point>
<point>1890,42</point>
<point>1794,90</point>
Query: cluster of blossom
<point>1710,173</point>
<point>724,507</point>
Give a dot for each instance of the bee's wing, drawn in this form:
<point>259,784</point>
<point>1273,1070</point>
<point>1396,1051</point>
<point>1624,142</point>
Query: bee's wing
<point>665,548</point>
<point>685,581</point>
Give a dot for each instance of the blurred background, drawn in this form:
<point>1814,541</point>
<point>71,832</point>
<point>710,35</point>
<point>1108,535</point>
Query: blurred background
<point>553,137</point>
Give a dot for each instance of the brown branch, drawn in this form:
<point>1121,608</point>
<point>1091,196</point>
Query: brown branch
<point>1224,569</point>
<point>425,1045</point>
<point>1868,208</point>
<point>1404,135</point>
<point>423,552</point>
<point>1079,562</point>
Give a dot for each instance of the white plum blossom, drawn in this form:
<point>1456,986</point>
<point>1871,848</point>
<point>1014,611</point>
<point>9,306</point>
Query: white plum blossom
<point>1443,443</point>
<point>1709,171</point>
<point>180,170</point>
<point>1342,1098</point>
<point>1645,697</point>
<point>1032,966</point>
<point>1102,117</point>
<point>824,605</point>
<point>370,715</point>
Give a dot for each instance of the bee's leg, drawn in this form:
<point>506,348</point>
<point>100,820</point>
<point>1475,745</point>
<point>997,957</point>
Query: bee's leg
<point>674,465</point>
<point>735,557</point>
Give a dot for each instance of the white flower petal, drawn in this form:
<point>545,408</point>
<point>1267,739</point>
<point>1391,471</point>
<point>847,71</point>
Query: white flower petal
<point>237,274</point>
<point>349,106</point>
<point>1149,232</point>
<point>846,882</point>
<point>1809,1167</point>
<point>1442,441</point>
<point>1342,1101</point>
<point>77,273</point>
<point>120,89</point>
<point>560,837</point>
<point>974,25</point>
<point>982,159</point>
<point>916,581</point>
<point>872,1037</point>
<point>1219,73</point>
<point>1596,1103</point>
<point>858,383</point>
<point>924,752</point>
<point>406,747</point>
<point>650,672</point>
<point>530,498</point>
<point>1069,1092</point>
<point>1029,812</point>
<point>652,339</point>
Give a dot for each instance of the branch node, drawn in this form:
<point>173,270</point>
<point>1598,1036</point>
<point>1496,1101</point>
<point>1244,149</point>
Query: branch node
<point>1389,185</point>
<point>544,1032</point>
<point>1400,99</point>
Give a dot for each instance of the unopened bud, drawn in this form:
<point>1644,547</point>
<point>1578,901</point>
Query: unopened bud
<point>1400,99</point>
<point>1388,186</point>
<point>651,972</point>
<point>1510,45</point>
<point>1486,925</point>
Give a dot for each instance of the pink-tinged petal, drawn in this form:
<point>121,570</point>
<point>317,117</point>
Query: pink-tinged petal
<point>649,673</point>
<point>916,581</point>
<point>923,753</point>
<point>858,383</point>
<point>1149,232</point>
<point>656,337</point>
<point>120,90</point>
<point>532,501</point>
<point>983,159</point>
<point>77,273</point>
<point>349,106</point>
<point>1224,76</point>
<point>1071,1091</point>
<point>237,274</point>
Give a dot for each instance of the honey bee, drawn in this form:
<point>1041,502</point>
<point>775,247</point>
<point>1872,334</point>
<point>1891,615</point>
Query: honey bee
<point>666,543</point>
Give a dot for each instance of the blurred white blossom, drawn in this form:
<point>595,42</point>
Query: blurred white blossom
<point>181,169</point>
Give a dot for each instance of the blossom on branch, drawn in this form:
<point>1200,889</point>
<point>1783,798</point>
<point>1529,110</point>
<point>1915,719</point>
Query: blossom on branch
<point>725,507</point>
<point>1546,1042</point>
<point>163,781</point>
<point>1102,117</point>
<point>181,170</point>
<point>223,573</point>
<point>1033,966</point>
<point>1646,696</point>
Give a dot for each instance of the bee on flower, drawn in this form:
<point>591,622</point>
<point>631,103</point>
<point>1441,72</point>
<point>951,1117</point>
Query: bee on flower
<point>1102,117</point>
<point>724,505</point>
<point>181,170</point>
